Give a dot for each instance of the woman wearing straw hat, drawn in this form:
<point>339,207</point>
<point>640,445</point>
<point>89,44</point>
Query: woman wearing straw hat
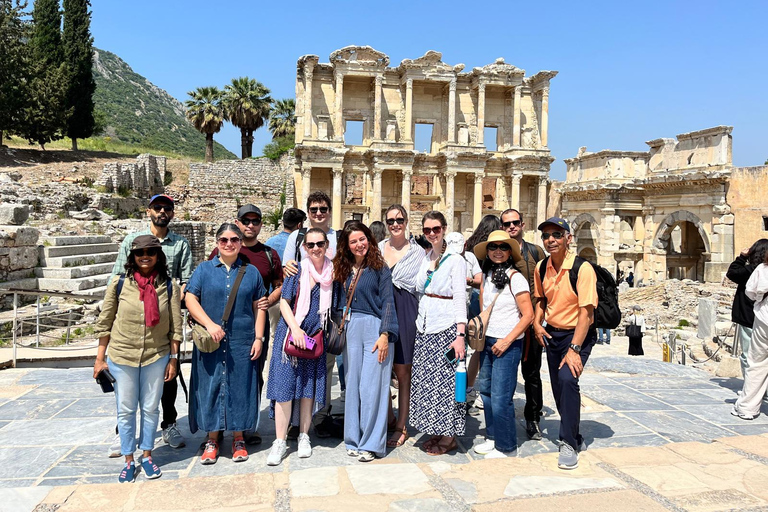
<point>510,317</point>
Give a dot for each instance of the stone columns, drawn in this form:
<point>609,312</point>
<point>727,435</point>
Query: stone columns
<point>338,125</point>
<point>477,211</point>
<point>449,197</point>
<point>406,193</point>
<point>541,203</point>
<point>452,112</point>
<point>480,114</point>
<point>544,116</point>
<point>377,108</point>
<point>308,75</point>
<point>376,200</point>
<point>306,184</point>
<point>338,174</point>
<point>409,110</point>
<point>514,195</point>
<point>518,98</point>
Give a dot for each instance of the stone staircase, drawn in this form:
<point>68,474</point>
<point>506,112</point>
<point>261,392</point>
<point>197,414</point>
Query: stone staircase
<point>76,263</point>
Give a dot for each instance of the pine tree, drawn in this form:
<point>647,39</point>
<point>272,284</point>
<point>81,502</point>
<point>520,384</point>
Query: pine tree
<point>78,54</point>
<point>13,63</point>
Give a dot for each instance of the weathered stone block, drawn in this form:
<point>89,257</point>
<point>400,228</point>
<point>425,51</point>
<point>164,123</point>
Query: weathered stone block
<point>23,257</point>
<point>17,236</point>
<point>707,318</point>
<point>13,214</point>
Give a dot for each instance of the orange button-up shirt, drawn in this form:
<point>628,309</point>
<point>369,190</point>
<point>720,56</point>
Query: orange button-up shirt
<point>562,303</point>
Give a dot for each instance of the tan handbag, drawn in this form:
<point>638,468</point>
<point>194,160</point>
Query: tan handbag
<point>478,325</point>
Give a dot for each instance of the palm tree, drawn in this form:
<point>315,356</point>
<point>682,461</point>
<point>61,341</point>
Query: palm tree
<point>282,118</point>
<point>206,112</point>
<point>247,104</point>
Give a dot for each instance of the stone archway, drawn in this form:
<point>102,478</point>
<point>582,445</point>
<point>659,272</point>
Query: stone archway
<point>681,236</point>
<point>586,235</point>
<point>589,254</point>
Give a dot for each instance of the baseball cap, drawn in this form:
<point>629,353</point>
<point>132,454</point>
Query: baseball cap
<point>557,222</point>
<point>162,198</point>
<point>246,209</point>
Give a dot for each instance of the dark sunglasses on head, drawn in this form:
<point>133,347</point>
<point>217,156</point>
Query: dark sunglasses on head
<point>311,245</point>
<point>399,220</point>
<point>224,240</point>
<point>428,231</point>
<point>557,235</point>
<point>248,222</point>
<point>321,209</point>
<point>160,207</point>
<point>511,223</point>
<point>496,247</point>
<point>152,251</point>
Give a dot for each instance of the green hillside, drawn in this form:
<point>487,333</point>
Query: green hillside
<point>140,113</point>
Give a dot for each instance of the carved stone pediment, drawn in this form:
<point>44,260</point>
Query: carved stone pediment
<point>499,68</point>
<point>431,60</point>
<point>360,55</point>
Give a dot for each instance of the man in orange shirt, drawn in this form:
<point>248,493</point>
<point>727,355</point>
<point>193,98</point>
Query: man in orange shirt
<point>569,334</point>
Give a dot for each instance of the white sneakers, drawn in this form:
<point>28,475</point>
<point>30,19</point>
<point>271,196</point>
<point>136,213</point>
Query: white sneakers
<point>485,448</point>
<point>305,447</point>
<point>276,454</point>
<point>495,454</point>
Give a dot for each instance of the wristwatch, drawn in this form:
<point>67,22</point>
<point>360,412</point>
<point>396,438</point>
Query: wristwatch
<point>174,356</point>
<point>575,348</point>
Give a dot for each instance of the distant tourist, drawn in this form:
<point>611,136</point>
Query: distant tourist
<point>139,332</point>
<point>440,342</point>
<point>371,331</point>
<point>403,257</point>
<point>296,386</point>
<point>378,230</point>
<point>569,335</point>
<point>510,318</point>
<point>293,219</point>
<point>224,384</point>
<point>747,406</point>
<point>636,341</point>
<point>631,280</point>
<point>178,254</point>
<point>742,310</point>
<point>603,336</point>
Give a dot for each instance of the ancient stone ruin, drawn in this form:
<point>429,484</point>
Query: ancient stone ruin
<point>141,178</point>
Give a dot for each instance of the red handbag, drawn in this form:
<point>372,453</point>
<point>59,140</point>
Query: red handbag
<point>308,353</point>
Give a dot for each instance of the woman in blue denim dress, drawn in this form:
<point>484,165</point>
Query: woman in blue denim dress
<point>224,391</point>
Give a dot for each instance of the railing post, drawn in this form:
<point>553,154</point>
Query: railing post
<point>37,323</point>
<point>15,317</point>
<point>69,323</point>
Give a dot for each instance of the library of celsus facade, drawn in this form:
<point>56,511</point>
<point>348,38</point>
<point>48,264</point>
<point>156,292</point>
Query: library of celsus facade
<point>487,150</point>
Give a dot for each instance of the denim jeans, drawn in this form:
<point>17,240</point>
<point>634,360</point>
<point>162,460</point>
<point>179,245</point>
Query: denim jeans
<point>496,382</point>
<point>138,387</point>
<point>603,335</point>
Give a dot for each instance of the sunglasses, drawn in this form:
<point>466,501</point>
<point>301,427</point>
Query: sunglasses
<point>557,235</point>
<point>436,230</point>
<point>321,209</point>
<point>153,251</point>
<point>224,240</point>
<point>496,247</point>
<point>248,222</point>
<point>511,223</point>
<point>311,245</point>
<point>160,207</point>
<point>400,221</point>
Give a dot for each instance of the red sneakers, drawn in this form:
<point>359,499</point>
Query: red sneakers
<point>210,453</point>
<point>239,453</point>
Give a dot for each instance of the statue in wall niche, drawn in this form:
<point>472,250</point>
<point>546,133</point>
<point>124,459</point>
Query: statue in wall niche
<point>463,134</point>
<point>528,141</point>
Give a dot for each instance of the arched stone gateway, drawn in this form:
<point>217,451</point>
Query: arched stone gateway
<point>586,233</point>
<point>683,239</point>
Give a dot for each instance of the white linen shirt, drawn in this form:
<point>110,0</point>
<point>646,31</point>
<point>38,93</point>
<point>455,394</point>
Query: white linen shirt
<point>436,315</point>
<point>505,314</point>
<point>405,271</point>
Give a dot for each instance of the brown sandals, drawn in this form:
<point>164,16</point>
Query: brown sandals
<point>401,439</point>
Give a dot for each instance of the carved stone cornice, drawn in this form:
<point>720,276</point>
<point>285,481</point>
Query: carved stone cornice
<point>362,56</point>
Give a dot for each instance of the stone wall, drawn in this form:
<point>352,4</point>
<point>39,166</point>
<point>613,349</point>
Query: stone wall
<point>746,197</point>
<point>143,177</point>
<point>18,259</point>
<point>197,233</point>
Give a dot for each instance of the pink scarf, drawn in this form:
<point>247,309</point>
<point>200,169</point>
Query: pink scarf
<point>148,295</point>
<point>325,278</point>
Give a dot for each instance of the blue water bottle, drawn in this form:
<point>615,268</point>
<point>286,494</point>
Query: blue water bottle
<point>461,381</point>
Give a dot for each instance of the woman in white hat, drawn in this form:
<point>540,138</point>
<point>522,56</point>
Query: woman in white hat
<point>510,317</point>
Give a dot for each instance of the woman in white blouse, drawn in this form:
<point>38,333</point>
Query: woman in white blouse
<point>636,342</point>
<point>512,314</point>
<point>439,343</point>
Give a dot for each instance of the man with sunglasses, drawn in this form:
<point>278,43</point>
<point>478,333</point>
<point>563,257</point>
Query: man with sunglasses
<point>267,262</point>
<point>178,254</point>
<point>569,335</point>
<point>530,365</point>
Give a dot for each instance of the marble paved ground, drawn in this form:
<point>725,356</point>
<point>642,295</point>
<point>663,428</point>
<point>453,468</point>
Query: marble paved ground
<point>56,426</point>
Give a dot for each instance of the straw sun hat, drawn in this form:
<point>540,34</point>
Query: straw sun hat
<point>499,237</point>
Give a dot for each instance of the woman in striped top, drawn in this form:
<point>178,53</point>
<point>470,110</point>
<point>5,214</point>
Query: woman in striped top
<point>404,257</point>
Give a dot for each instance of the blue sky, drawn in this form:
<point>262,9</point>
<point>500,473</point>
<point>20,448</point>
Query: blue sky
<point>629,71</point>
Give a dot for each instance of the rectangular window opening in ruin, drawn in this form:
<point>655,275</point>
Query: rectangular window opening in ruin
<point>423,139</point>
<point>490,134</point>
<point>353,133</point>
<point>765,223</point>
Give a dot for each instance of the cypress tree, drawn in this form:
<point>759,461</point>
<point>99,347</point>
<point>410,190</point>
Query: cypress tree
<point>46,33</point>
<point>78,54</point>
<point>13,63</point>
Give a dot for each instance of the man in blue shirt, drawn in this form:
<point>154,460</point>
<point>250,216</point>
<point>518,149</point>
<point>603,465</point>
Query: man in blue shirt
<point>293,219</point>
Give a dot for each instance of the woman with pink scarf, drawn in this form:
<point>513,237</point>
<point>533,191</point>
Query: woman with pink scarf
<point>307,299</point>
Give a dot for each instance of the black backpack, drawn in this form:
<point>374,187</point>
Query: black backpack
<point>607,312</point>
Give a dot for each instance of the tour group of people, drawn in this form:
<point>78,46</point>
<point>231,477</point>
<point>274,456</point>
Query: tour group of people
<point>401,302</point>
